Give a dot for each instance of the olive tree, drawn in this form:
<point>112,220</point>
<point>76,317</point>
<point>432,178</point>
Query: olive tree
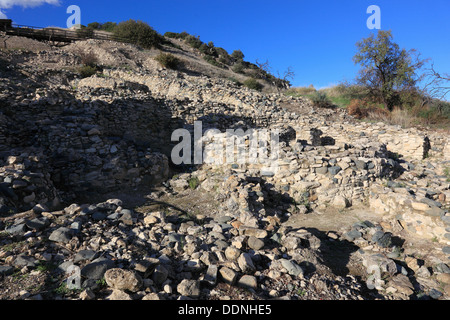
<point>386,70</point>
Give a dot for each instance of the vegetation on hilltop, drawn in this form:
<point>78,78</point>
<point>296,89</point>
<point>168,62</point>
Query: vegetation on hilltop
<point>140,33</point>
<point>132,31</point>
<point>387,87</point>
<point>107,26</point>
<point>387,72</point>
<point>419,110</point>
<point>219,57</point>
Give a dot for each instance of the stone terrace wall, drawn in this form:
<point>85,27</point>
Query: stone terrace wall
<point>406,143</point>
<point>84,146</point>
<point>265,109</point>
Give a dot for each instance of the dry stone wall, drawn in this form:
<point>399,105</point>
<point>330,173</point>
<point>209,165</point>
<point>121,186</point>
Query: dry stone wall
<point>83,146</point>
<point>264,109</point>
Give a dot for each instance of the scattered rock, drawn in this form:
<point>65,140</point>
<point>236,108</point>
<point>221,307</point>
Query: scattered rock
<point>292,268</point>
<point>62,235</point>
<point>85,255</point>
<point>412,263</point>
<point>211,275</point>
<point>248,282</point>
<point>253,232</point>
<point>25,261</point>
<point>352,235</point>
<point>96,269</point>
<point>385,241</point>
<point>340,202</point>
<point>87,295</point>
<point>402,284</point>
<point>118,295</point>
<point>6,270</point>
<point>443,277</point>
<point>245,263</point>
<point>229,276</point>
<point>232,253</point>
<point>123,280</point>
<point>189,288</point>
<point>255,243</point>
<point>160,275</point>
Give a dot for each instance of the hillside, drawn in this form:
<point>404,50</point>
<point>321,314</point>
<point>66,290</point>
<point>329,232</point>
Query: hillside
<point>349,209</point>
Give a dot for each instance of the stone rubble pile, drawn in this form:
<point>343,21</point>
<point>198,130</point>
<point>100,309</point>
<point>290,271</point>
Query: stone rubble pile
<point>25,183</point>
<point>158,256</point>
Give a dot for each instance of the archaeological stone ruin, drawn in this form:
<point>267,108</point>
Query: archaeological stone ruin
<point>67,145</point>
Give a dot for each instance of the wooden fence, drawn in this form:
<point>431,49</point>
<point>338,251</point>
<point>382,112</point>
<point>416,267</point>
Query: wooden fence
<point>59,34</point>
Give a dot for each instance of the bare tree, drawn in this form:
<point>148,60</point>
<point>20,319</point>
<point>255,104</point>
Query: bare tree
<point>264,69</point>
<point>437,85</point>
<point>279,81</point>
<point>283,81</point>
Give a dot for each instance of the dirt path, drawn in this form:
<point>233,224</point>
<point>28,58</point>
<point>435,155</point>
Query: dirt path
<point>333,219</point>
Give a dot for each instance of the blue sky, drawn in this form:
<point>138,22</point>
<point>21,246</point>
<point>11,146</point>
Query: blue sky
<point>316,38</point>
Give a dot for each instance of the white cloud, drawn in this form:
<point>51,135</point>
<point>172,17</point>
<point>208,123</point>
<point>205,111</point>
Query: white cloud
<point>2,15</point>
<point>6,4</point>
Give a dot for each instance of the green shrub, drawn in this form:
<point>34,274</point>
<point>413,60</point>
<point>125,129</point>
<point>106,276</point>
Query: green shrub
<point>168,60</point>
<point>347,91</point>
<point>224,60</point>
<point>442,108</point>
<point>239,68</point>
<point>138,32</point>
<point>252,83</point>
<point>321,100</point>
<point>108,26</point>
<point>94,25</point>
<point>212,49</point>
<point>213,61</point>
<point>193,183</point>
<point>193,41</point>
<point>172,35</point>
<point>87,71</point>
<point>204,48</point>
<point>183,35</point>
<point>238,55</point>
<point>223,54</point>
